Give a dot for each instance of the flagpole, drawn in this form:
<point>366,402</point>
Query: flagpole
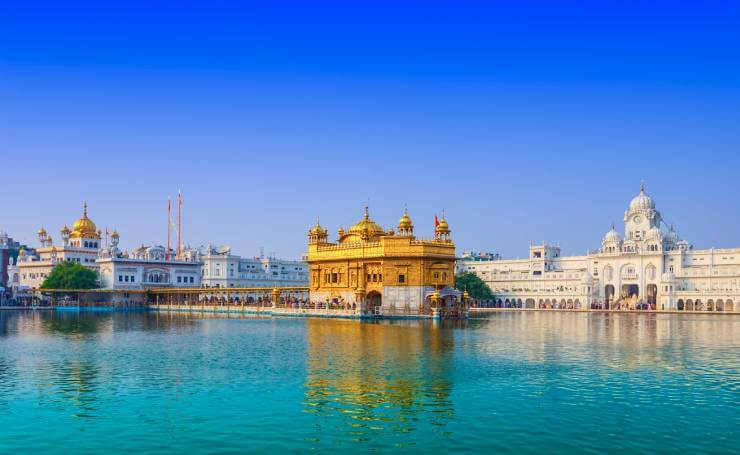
<point>169,222</point>
<point>179,227</point>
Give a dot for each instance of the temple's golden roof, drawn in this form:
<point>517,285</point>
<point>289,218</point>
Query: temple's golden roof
<point>365,229</point>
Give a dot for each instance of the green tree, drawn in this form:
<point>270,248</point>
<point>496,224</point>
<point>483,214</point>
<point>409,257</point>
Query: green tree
<point>71,275</point>
<point>476,287</point>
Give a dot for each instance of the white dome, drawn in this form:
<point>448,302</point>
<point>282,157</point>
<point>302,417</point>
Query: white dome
<point>654,234</point>
<point>642,201</point>
<point>671,236</point>
<point>612,236</point>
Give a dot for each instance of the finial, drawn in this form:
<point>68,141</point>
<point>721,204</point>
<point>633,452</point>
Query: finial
<point>367,212</point>
<point>317,221</point>
<point>405,208</point>
<point>443,214</point>
<point>84,208</point>
<point>642,186</point>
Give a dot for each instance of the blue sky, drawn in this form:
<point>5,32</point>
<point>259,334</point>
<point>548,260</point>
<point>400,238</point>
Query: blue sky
<point>523,120</point>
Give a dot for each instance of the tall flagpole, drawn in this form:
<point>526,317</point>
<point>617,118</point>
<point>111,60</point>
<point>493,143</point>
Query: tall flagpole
<point>179,226</point>
<point>169,222</point>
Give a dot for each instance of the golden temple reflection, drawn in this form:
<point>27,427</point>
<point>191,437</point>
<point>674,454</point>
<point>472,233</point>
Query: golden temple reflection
<point>353,370</point>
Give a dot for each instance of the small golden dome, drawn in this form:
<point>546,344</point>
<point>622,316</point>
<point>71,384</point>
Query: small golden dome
<point>65,230</point>
<point>405,222</point>
<point>114,234</point>
<point>42,232</point>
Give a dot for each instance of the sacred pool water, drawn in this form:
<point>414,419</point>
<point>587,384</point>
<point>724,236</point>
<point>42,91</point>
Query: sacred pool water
<point>537,382</point>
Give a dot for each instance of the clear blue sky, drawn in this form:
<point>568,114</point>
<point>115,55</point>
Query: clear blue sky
<point>525,121</point>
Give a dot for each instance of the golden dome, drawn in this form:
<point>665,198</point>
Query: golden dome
<point>115,233</point>
<point>405,222</point>
<point>42,232</point>
<point>365,229</point>
<point>65,230</point>
<point>84,227</point>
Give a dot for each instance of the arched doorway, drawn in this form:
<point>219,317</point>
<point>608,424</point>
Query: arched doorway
<point>373,302</point>
<point>529,303</point>
<point>609,293</point>
<point>630,290</point>
<point>519,303</point>
<point>729,306</point>
<point>689,305</point>
<point>698,305</point>
<point>710,305</point>
<point>577,304</point>
<point>720,305</point>
<point>652,294</point>
<point>679,305</point>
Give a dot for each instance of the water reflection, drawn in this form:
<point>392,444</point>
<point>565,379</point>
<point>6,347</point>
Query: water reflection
<point>378,377</point>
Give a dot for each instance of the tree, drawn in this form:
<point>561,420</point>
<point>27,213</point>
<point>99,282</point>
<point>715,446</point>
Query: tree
<point>70,275</point>
<point>476,287</point>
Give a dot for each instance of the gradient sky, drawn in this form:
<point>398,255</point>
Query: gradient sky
<point>523,120</point>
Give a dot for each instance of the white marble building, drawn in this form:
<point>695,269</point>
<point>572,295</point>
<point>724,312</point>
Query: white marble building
<point>147,267</point>
<point>650,267</point>
<point>222,269</point>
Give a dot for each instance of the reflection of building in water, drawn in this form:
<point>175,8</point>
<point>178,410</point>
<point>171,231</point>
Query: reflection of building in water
<point>651,267</point>
<point>374,271</point>
<point>623,340</point>
<point>378,374</point>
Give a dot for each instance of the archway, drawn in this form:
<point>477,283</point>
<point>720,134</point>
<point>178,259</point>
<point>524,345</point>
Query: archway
<point>541,304</point>
<point>507,304</point>
<point>529,303</point>
<point>562,304</point>
<point>689,305</point>
<point>720,305</point>
<point>698,305</point>
<point>680,305</point>
<point>519,303</point>
<point>373,302</point>
<point>729,306</point>
<point>570,304</point>
<point>652,294</point>
<point>710,305</point>
<point>548,304</point>
<point>577,304</point>
<point>609,294</point>
<point>630,290</point>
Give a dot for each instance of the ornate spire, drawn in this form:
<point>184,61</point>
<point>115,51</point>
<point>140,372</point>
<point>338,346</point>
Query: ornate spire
<point>367,212</point>
<point>84,209</point>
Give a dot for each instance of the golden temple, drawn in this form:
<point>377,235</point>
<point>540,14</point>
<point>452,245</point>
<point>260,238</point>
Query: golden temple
<point>375,272</point>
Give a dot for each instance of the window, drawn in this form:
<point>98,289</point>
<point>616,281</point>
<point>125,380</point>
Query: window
<point>334,277</point>
<point>192,279</point>
<point>179,279</point>
<point>401,278</point>
<point>120,278</point>
<point>133,278</point>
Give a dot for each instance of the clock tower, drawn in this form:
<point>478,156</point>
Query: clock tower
<point>641,216</point>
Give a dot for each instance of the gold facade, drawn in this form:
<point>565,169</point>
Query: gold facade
<point>369,267</point>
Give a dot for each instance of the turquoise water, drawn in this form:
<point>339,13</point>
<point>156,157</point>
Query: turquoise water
<point>533,382</point>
